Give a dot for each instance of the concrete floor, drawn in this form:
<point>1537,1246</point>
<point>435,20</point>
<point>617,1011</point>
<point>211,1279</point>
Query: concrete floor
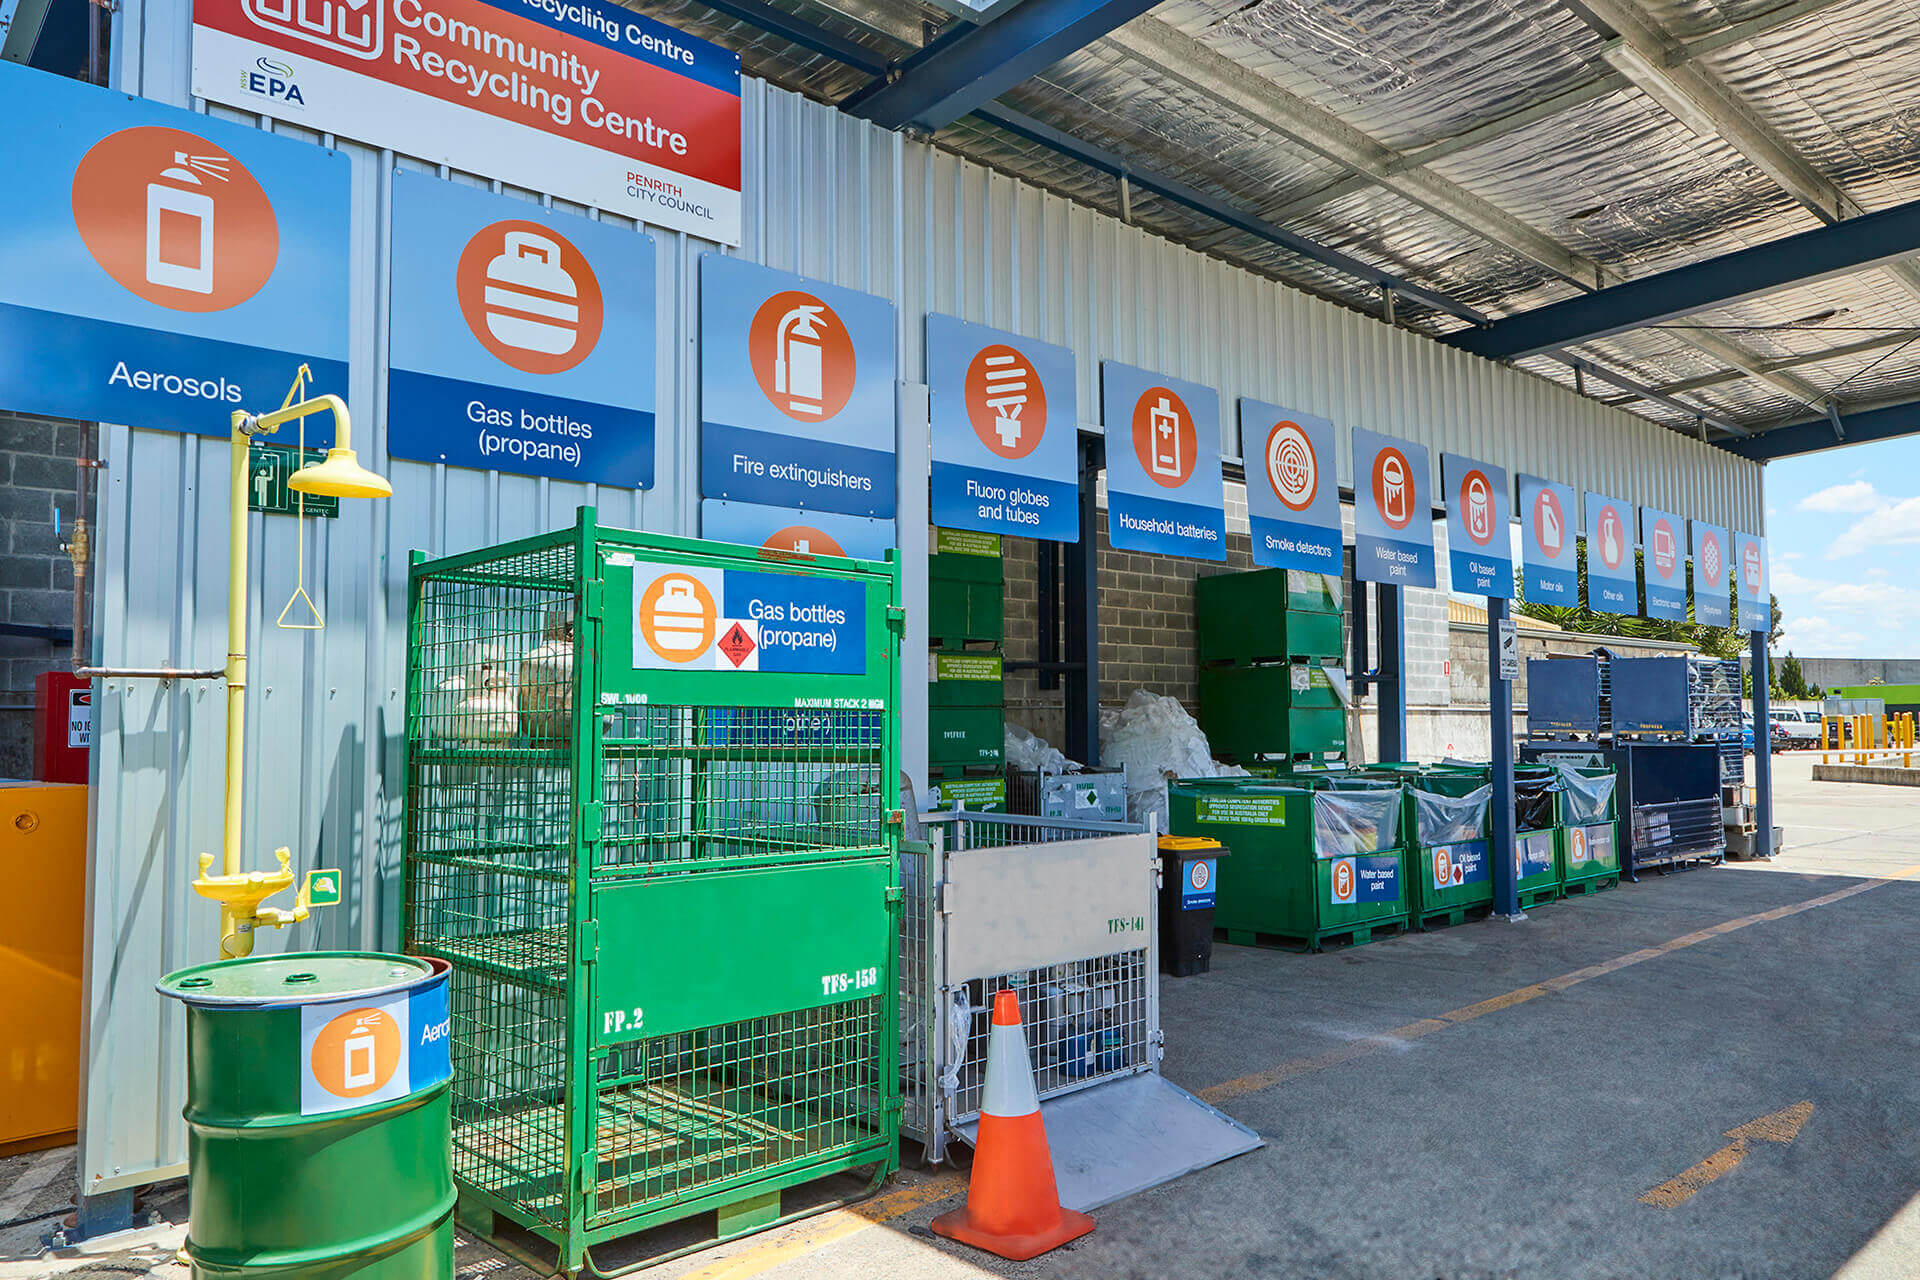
<point>1485,1101</point>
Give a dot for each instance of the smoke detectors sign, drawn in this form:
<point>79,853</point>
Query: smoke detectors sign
<point>581,99</point>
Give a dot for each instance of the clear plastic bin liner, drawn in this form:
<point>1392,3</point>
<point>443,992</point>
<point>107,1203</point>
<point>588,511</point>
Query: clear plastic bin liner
<point>1347,822</point>
<point>1440,819</point>
<point>1588,797</point>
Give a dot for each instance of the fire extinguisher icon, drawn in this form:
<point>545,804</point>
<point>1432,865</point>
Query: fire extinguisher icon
<point>358,1052</point>
<point>798,359</point>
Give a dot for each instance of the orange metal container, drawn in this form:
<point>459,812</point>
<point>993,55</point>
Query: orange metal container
<point>43,865</point>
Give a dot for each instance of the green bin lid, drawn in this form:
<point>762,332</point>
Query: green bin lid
<point>302,978</point>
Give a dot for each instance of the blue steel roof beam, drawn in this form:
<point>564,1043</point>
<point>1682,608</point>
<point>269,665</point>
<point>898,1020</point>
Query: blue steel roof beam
<point>792,27</point>
<point>954,76</point>
<point>1817,434</point>
<point>1870,240</point>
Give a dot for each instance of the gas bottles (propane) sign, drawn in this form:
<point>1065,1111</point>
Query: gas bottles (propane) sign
<point>1479,546</point>
<point>1164,491</point>
<point>800,533</point>
<point>1663,543</point>
<point>1548,520</point>
<point>523,340</point>
<point>1613,586</point>
<point>1293,488</point>
<point>1005,430</point>
<point>1712,560</point>
<point>585,100</point>
<point>1392,516</point>
<point>695,619</point>
<point>796,391</point>
<point>1756,601</point>
<point>163,268</point>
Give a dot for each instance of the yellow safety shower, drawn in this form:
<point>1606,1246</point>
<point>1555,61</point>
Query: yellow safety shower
<point>241,893</point>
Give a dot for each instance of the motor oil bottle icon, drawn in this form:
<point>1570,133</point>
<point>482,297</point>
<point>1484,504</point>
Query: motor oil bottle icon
<point>359,1059</point>
<point>798,359</point>
<point>532,302</point>
<point>180,223</point>
<point>1164,424</point>
<point>679,618</point>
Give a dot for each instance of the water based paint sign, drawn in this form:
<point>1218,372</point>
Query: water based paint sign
<point>515,336</point>
<point>163,268</point>
<point>1392,512</point>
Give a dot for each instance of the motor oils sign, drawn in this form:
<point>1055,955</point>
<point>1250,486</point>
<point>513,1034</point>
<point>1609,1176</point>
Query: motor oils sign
<point>581,99</point>
<point>163,267</point>
<point>1164,489</point>
<point>522,338</point>
<point>1392,515</point>
<point>702,619</point>
<point>1293,488</point>
<point>796,391</point>
<point>1479,546</point>
<point>1548,549</point>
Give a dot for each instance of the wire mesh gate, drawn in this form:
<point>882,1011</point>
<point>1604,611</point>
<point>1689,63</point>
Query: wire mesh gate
<point>1062,912</point>
<point>651,824</point>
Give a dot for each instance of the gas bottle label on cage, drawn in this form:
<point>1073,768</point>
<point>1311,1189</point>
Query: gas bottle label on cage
<point>354,1053</point>
<point>687,619</point>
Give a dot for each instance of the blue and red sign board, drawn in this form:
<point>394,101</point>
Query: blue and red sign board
<point>801,533</point>
<point>1479,546</point>
<point>796,391</point>
<point>1712,575</point>
<point>163,268</point>
<point>1548,549</point>
<point>1358,879</point>
<point>687,618</point>
<point>522,339</point>
<point>1613,585</point>
<point>1293,488</point>
<point>1392,511</point>
<point>1663,544</point>
<point>1005,432</point>
<point>1756,600</point>
<point>1164,489</point>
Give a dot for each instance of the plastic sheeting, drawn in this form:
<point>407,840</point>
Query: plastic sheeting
<point>1443,819</point>
<point>1154,739</point>
<point>1347,822</point>
<point>1585,798</point>
<point>1028,752</point>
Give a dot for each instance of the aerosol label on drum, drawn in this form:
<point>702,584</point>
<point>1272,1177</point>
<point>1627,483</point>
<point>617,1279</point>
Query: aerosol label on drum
<point>354,1053</point>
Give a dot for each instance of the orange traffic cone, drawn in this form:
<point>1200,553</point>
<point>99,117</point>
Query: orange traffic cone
<point>1013,1207</point>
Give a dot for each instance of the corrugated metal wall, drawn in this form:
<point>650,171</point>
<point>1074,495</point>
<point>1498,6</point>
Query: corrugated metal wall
<point>827,196</point>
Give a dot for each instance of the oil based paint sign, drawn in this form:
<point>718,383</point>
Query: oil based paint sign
<point>1663,543</point>
<point>796,391</point>
<point>1392,518</point>
<point>579,98</point>
<point>1005,430</point>
<point>690,619</point>
<point>1756,600</point>
<point>1479,546</point>
<point>1548,551</point>
<point>1712,562</point>
<point>1164,491</point>
<point>1293,488</point>
<point>1612,584</point>
<point>522,339</point>
<point>1455,865</point>
<point>162,268</point>
<point>800,533</point>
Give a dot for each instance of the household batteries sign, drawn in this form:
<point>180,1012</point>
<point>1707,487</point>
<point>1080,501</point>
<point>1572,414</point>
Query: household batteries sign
<point>1663,540</point>
<point>162,268</point>
<point>582,99</point>
<point>1612,584</point>
<point>800,533</point>
<point>1164,491</point>
<point>693,619</point>
<point>355,1053</point>
<point>1756,600</point>
<point>1005,432</point>
<point>1712,560</point>
<point>1479,547</point>
<point>1293,488</point>
<point>522,339</point>
<point>796,391</point>
<point>1392,518</point>
<point>1548,551</point>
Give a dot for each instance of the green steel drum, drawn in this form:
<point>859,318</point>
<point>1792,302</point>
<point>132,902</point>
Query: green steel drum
<point>318,1140</point>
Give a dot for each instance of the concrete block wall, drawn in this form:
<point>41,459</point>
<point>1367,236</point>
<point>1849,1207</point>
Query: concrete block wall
<point>36,579</point>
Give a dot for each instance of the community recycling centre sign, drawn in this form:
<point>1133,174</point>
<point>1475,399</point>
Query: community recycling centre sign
<point>1612,584</point>
<point>1164,490</point>
<point>523,339</point>
<point>1293,488</point>
<point>1548,550</point>
<point>1392,515</point>
<point>163,268</point>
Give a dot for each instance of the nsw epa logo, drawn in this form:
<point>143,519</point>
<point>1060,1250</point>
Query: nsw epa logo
<point>273,80</point>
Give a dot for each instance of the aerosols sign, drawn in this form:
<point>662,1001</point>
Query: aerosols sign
<point>583,99</point>
<point>1164,489</point>
<point>522,338</point>
<point>796,391</point>
<point>163,267</point>
<point>1613,585</point>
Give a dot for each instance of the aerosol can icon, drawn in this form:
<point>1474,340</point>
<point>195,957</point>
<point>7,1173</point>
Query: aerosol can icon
<point>1164,424</point>
<point>798,354</point>
<point>358,1052</point>
<point>180,223</point>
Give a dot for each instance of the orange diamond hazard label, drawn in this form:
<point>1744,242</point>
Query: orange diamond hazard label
<point>736,646</point>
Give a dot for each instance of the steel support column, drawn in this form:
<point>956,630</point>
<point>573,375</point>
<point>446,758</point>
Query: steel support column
<point>1500,820</point>
<point>1083,615</point>
<point>1762,745</point>
<point>1390,682</point>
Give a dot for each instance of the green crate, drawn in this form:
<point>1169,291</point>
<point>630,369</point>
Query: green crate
<point>1453,878</point>
<point>1276,887</point>
<point>1283,710</point>
<point>966,736</point>
<point>965,680</point>
<point>1536,866</point>
<point>1268,615</point>
<point>623,1057</point>
<point>963,611</point>
<point>1589,856</point>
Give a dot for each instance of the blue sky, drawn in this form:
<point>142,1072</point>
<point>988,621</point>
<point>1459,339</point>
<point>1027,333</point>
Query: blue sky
<point>1843,531</point>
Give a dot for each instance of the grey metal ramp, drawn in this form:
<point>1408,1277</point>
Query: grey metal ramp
<point>1124,1137</point>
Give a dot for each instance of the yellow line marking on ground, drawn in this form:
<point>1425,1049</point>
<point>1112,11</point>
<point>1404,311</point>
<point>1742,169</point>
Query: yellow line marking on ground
<point>1781,1126</point>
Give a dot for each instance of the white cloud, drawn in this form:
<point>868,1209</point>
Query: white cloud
<point>1789,556</point>
<point>1816,637</point>
<point>1843,499</point>
<point>1786,581</point>
<point>1881,599</point>
<point>1876,572</point>
<point>1894,525</point>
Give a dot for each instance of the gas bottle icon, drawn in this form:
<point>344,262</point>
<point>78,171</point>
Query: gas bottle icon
<point>531,301</point>
<point>679,619</point>
<point>359,1055</point>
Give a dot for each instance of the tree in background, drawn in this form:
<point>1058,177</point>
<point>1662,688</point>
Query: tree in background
<point>1793,681</point>
<point>1717,642</point>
